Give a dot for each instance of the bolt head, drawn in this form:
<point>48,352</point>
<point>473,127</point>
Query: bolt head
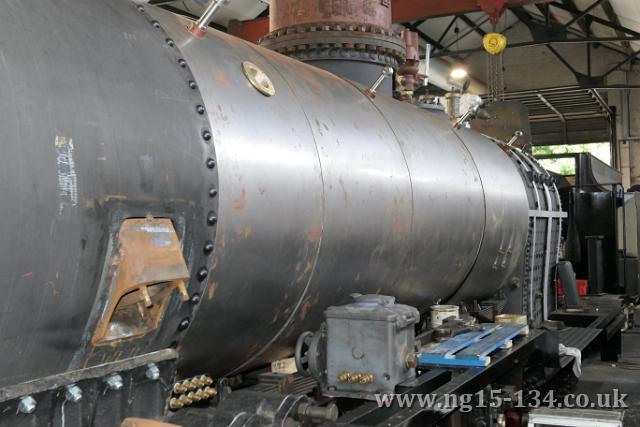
<point>114,382</point>
<point>27,405</point>
<point>153,372</point>
<point>73,393</point>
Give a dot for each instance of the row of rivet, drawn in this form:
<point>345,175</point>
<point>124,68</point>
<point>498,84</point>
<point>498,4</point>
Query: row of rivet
<point>211,217</point>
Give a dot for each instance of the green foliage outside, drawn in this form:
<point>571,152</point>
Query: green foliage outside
<point>601,150</point>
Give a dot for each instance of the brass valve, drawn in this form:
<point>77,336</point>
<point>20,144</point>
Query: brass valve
<point>366,379</point>
<point>355,377</point>
<point>180,387</point>
<point>175,403</point>
<point>185,400</point>
<point>210,392</point>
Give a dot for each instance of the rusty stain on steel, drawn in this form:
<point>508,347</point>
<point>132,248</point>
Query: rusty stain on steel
<point>244,232</point>
<point>240,202</point>
<point>314,234</point>
<point>212,290</point>
<point>306,306</point>
<point>54,291</point>
<point>146,269</point>
<point>287,13</point>
<point>220,77</point>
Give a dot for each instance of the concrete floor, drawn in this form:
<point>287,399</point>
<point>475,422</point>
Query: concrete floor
<point>603,377</point>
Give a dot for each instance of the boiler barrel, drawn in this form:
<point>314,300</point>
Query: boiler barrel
<point>325,192</point>
<point>284,204</point>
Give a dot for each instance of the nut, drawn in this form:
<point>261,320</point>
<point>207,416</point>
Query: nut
<point>27,405</point>
<point>153,372</point>
<point>73,393</point>
<point>114,382</point>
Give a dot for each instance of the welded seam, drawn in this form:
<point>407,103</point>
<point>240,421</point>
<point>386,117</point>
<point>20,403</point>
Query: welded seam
<point>305,291</point>
<point>484,222</point>
<point>406,164</point>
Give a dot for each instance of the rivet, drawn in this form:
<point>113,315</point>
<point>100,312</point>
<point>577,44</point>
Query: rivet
<point>170,42</point>
<point>213,191</point>
<point>184,324</point>
<point>182,62</point>
<point>208,247</point>
<point>202,273</point>
<point>212,219</point>
<point>195,299</point>
<point>211,163</point>
<point>206,135</point>
<point>140,9</point>
<point>155,24</point>
<point>193,85</point>
<point>200,110</point>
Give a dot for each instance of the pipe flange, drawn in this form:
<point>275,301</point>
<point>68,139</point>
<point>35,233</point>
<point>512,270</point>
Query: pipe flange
<point>337,41</point>
<point>345,54</point>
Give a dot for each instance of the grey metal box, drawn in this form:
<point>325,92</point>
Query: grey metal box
<point>368,344</point>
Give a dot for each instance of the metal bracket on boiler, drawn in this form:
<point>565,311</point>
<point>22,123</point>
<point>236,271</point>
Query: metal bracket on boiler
<point>146,269</point>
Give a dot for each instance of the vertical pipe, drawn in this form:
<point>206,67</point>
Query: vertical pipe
<point>199,28</point>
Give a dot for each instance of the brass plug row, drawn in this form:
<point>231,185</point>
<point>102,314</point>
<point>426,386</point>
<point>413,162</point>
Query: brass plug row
<point>191,384</point>
<point>192,397</point>
<point>356,377</point>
